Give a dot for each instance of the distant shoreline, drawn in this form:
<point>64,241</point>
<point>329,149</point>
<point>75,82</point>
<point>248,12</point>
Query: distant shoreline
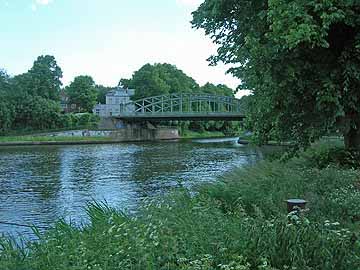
<point>39,141</point>
<point>31,143</point>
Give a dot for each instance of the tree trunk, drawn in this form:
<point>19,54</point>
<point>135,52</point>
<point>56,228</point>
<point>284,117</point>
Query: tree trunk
<point>352,139</point>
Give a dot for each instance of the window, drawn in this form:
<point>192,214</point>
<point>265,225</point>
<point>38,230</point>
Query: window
<point>110,113</point>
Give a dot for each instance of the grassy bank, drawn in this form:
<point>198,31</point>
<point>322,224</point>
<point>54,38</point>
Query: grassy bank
<point>189,134</point>
<point>31,138</point>
<point>238,223</point>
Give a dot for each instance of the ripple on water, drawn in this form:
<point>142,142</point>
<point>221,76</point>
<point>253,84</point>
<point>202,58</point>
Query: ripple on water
<point>38,185</point>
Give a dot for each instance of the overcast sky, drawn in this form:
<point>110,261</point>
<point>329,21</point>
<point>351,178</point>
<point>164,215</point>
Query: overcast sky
<point>107,39</point>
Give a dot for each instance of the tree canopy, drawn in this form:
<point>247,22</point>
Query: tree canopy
<point>301,59</point>
<point>220,90</point>
<point>44,78</point>
<point>83,93</point>
<point>101,93</point>
<point>159,79</point>
<point>162,79</point>
<point>30,101</point>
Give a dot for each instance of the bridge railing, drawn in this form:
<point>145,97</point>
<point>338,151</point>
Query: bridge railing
<point>183,103</point>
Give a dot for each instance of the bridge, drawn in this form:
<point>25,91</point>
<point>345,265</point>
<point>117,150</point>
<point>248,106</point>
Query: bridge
<point>182,107</point>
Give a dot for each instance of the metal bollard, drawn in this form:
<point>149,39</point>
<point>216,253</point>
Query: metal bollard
<point>295,204</point>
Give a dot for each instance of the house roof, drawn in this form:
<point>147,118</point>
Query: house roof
<point>120,92</point>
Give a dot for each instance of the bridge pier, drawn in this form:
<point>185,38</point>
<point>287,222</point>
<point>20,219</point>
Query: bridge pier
<point>138,130</point>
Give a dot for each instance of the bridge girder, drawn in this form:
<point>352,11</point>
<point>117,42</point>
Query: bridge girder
<point>183,107</point>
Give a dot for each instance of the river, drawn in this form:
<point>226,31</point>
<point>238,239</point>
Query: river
<point>40,184</point>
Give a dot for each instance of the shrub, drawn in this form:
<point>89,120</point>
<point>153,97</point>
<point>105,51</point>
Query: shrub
<point>80,120</point>
<point>346,201</point>
<point>323,155</point>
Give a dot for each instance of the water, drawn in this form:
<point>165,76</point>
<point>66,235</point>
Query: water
<point>41,184</point>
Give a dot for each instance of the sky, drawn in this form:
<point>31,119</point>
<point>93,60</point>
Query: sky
<point>107,39</point>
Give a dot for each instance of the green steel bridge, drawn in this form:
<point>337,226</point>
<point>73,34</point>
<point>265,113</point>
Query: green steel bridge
<point>182,107</point>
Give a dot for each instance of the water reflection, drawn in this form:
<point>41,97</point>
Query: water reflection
<point>41,184</point>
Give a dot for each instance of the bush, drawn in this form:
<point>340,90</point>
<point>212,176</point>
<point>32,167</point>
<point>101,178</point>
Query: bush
<point>264,187</point>
<point>346,201</point>
<point>323,155</point>
<point>80,120</point>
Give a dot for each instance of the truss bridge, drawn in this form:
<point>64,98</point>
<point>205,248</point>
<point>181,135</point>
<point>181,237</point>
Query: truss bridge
<point>182,107</point>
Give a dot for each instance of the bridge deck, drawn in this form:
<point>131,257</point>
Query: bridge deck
<point>181,116</point>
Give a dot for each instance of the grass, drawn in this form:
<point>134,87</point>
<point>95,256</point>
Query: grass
<point>28,132</point>
<point>238,223</point>
<point>189,134</point>
<point>29,138</point>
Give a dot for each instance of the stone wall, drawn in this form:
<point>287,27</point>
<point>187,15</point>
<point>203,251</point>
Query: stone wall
<point>124,134</point>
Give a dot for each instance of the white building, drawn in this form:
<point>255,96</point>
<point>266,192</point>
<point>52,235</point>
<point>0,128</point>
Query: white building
<point>115,103</point>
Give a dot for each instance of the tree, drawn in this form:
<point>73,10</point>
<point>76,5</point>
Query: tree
<point>43,79</point>
<point>301,59</point>
<point>37,113</point>
<point>82,92</point>
<point>101,93</point>
<point>7,112</point>
<point>4,81</point>
<point>159,79</point>
<point>220,90</point>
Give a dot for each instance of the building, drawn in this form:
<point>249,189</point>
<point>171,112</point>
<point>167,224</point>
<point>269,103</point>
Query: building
<point>66,107</point>
<point>116,100</point>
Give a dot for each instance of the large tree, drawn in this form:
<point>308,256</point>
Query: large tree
<point>220,90</point>
<point>37,113</point>
<point>83,93</point>
<point>43,79</point>
<point>101,93</point>
<point>301,59</point>
<point>159,79</point>
<point>4,81</point>
<point>7,111</point>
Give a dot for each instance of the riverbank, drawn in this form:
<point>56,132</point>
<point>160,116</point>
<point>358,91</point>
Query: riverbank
<point>189,134</point>
<point>50,139</point>
<point>238,223</point>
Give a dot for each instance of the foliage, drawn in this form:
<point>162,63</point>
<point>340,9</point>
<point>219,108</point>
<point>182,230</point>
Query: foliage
<point>347,199</point>
<point>43,79</point>
<point>220,90</point>
<point>37,113</point>
<point>159,79</point>
<point>82,92</point>
<point>4,81</point>
<point>195,134</point>
<point>30,101</point>
<point>79,120</point>
<point>101,93</point>
<point>50,138</point>
<point>239,223</point>
<point>324,155</point>
<point>300,59</point>
<point>6,109</point>
<point>6,116</point>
